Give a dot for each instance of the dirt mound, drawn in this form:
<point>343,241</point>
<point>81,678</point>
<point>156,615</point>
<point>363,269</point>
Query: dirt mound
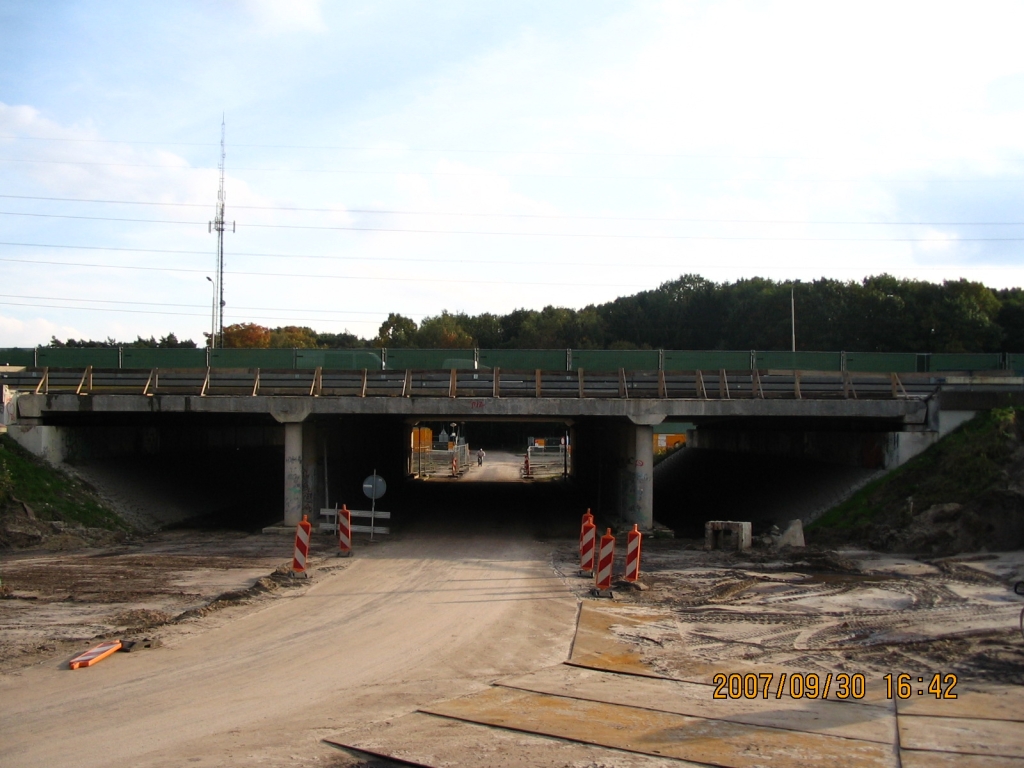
<point>20,528</point>
<point>41,506</point>
<point>965,494</point>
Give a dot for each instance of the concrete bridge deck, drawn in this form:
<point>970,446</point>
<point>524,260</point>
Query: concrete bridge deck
<point>642,394</point>
<point>835,416</point>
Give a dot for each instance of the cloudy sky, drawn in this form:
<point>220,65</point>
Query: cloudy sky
<point>412,157</point>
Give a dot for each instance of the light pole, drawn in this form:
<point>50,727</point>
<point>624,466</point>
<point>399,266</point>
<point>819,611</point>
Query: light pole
<point>792,314</point>
<point>213,314</point>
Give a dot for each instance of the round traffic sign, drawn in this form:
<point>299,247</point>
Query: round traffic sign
<point>374,486</point>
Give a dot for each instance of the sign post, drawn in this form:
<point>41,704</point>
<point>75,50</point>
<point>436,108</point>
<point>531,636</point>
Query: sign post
<point>373,488</point>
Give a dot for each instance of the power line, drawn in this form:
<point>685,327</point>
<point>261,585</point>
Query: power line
<point>453,150</point>
<point>533,215</point>
<point>98,218</point>
<point>428,262</point>
<point>681,266</point>
<point>289,319</point>
<point>326,277</point>
<point>502,174</point>
<point>191,306</point>
<point>606,236</point>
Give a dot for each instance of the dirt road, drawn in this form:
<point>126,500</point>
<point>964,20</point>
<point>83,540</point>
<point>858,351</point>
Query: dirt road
<point>498,467</point>
<point>402,624</point>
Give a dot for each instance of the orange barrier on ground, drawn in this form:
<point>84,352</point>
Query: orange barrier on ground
<point>344,532</point>
<point>605,560</point>
<point>95,655</point>
<point>301,546</point>
<point>633,541</point>
<point>587,541</point>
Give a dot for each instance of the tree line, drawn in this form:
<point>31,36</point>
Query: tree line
<point>878,314</point>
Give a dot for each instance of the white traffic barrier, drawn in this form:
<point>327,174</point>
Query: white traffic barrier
<point>374,515</point>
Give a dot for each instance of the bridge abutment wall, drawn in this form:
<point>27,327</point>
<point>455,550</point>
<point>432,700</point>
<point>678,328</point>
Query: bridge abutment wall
<point>865,449</point>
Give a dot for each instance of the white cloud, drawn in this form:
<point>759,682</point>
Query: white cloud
<point>780,112</point>
<point>16,332</point>
<point>275,17</point>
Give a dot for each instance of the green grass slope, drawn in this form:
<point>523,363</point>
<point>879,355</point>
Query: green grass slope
<point>964,493</point>
<point>52,497</point>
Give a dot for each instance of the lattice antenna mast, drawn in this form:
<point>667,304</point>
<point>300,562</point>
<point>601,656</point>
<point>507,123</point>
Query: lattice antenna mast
<point>219,225</point>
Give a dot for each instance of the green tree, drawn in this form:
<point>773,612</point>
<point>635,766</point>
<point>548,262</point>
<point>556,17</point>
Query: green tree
<point>293,337</point>
<point>246,336</point>
<point>396,331</point>
<point>443,332</point>
<point>343,340</point>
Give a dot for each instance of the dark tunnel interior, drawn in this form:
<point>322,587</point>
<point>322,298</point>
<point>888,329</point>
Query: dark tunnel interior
<point>230,475</point>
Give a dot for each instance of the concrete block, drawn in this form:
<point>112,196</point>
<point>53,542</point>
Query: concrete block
<point>727,534</point>
<point>793,536</point>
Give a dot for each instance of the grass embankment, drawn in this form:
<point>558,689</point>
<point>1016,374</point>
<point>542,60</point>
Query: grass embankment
<point>51,494</point>
<point>974,468</point>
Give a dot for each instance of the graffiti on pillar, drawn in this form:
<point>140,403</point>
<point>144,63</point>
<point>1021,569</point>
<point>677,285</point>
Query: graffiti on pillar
<point>309,484</point>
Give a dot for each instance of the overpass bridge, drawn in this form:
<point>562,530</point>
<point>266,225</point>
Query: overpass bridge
<point>839,415</point>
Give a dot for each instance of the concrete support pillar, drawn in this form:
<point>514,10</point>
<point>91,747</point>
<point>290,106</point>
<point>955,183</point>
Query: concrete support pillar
<point>293,445</point>
<point>641,510</point>
<point>312,490</point>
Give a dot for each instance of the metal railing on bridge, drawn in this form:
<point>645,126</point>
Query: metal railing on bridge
<point>591,360</point>
<point>477,384</point>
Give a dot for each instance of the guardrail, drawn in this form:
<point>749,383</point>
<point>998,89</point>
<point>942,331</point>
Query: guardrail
<point>495,383</point>
<point>595,360</point>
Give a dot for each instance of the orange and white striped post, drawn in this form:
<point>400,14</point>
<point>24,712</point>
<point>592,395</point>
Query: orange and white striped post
<point>95,655</point>
<point>633,540</point>
<point>587,539</point>
<point>344,532</point>
<point>302,533</point>
<point>605,560</point>
<point>587,517</point>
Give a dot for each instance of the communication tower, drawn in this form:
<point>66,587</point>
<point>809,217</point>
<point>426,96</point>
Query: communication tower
<point>218,225</point>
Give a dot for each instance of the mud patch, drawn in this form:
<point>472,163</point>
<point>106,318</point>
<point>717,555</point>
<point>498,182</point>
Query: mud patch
<point>56,601</point>
<point>828,611</point>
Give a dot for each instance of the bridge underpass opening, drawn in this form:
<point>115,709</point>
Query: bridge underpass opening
<point>414,456</point>
<point>210,472</point>
<point>490,451</point>
<point>767,474</point>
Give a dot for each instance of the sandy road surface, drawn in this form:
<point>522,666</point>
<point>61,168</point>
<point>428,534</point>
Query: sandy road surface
<point>402,624</point>
<point>498,467</point>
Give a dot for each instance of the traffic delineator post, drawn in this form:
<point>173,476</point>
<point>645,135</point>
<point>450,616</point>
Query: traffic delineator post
<point>302,533</point>
<point>95,655</point>
<point>588,536</point>
<point>605,561</point>
<point>586,517</point>
<point>344,532</point>
<point>633,541</point>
